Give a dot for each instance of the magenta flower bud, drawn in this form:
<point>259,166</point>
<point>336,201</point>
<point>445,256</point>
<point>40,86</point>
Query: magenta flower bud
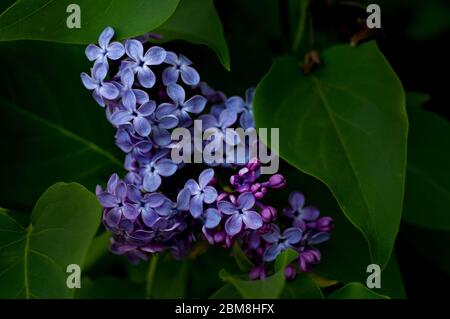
<point>324,224</point>
<point>255,187</point>
<point>277,181</point>
<point>243,171</point>
<point>254,164</point>
<point>219,237</point>
<point>257,272</point>
<point>259,195</point>
<point>290,273</point>
<point>268,214</point>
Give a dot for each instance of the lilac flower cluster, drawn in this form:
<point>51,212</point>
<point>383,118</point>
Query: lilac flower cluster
<point>147,92</point>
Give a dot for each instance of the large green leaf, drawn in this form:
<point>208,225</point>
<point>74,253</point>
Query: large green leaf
<point>197,21</point>
<point>50,128</point>
<point>46,19</point>
<point>355,290</point>
<point>427,192</point>
<point>346,125</point>
<point>33,259</point>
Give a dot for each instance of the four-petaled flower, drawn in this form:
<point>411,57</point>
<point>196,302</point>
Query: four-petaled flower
<point>201,192</point>
<point>113,51</point>
<point>299,213</point>
<point>131,143</point>
<point>218,128</point>
<point>238,105</point>
<point>180,107</point>
<point>140,63</point>
<point>130,95</point>
<point>161,122</point>
<point>101,90</point>
<point>115,201</point>
<point>240,213</point>
<point>152,170</point>
<point>280,242</point>
<point>137,117</point>
<point>180,65</point>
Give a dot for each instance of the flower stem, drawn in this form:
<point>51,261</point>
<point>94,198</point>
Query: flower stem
<point>151,275</point>
<point>301,25</point>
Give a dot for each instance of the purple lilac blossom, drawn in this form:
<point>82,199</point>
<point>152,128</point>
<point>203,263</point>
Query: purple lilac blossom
<point>180,107</point>
<point>240,213</point>
<point>201,192</point>
<point>280,241</point>
<point>298,212</point>
<point>113,51</point>
<point>96,82</point>
<point>244,108</point>
<point>180,66</point>
<point>149,211</point>
<point>140,63</point>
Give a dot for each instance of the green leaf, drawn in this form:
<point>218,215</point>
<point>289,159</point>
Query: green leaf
<point>226,292</point>
<point>303,287</point>
<point>109,288</point>
<point>242,260</point>
<point>197,21</point>
<point>46,19</point>
<point>99,248</point>
<point>271,287</point>
<point>355,290</point>
<point>427,192</point>
<point>33,260</point>
<point>284,259</point>
<point>345,125</point>
<point>167,278</point>
<point>49,124</point>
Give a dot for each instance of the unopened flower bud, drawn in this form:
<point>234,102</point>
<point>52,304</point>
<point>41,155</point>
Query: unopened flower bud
<point>290,273</point>
<point>277,181</point>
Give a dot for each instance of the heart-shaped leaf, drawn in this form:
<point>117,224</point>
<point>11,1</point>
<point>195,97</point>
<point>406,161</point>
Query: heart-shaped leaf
<point>346,125</point>
<point>34,259</point>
